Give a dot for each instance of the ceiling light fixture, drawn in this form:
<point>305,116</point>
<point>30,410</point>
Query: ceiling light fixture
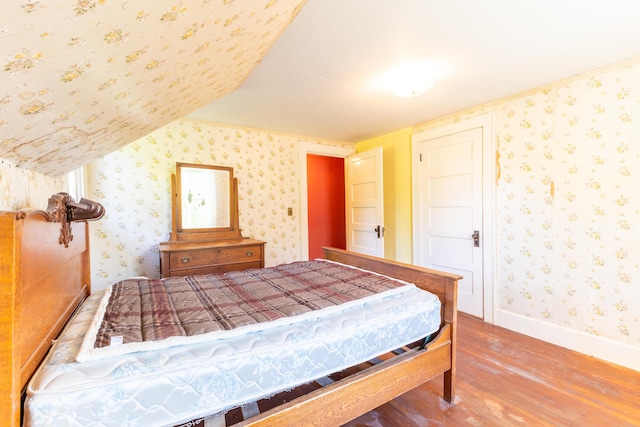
<point>406,80</point>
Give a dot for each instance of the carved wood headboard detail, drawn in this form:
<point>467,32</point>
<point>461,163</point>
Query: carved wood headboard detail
<point>44,276</point>
<point>63,209</point>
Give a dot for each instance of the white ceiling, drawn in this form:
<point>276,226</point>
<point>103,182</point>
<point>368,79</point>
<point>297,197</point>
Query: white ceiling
<point>315,80</point>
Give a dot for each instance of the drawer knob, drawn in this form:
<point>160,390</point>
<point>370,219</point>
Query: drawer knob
<point>249,253</point>
<point>185,259</point>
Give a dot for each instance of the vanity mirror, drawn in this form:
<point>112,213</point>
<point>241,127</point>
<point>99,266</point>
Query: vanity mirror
<point>203,196</point>
<point>204,202</point>
<point>205,230</point>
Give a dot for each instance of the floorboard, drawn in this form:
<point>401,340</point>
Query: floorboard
<point>508,379</point>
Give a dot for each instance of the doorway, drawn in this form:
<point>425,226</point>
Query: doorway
<point>321,150</point>
<point>453,176</point>
<point>326,203</point>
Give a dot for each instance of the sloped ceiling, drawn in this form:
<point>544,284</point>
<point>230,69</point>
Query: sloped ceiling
<point>83,78</point>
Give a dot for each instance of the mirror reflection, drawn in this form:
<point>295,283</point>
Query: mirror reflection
<point>204,196</point>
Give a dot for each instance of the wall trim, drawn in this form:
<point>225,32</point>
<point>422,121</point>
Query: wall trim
<point>602,348</point>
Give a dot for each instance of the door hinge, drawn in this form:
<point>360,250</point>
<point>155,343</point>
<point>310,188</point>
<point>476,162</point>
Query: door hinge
<point>420,156</point>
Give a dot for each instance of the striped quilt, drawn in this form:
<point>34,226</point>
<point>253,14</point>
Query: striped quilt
<point>144,314</point>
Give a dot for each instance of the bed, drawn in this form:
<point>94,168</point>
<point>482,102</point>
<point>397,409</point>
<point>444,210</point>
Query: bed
<point>45,278</point>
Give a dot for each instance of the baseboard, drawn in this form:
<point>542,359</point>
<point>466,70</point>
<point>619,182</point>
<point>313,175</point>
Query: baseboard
<point>602,348</point>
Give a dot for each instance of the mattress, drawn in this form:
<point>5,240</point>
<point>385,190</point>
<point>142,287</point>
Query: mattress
<point>180,383</point>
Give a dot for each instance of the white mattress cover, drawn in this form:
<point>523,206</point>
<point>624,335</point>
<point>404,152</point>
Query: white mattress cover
<point>181,383</point>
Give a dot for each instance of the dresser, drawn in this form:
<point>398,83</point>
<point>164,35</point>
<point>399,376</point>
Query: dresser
<point>218,256</point>
<point>205,228</point>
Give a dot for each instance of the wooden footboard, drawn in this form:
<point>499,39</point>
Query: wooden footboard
<point>355,395</point>
<point>442,284</point>
<point>344,400</point>
<point>360,393</point>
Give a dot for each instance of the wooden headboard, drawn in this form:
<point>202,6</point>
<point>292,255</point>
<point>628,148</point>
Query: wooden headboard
<point>44,276</point>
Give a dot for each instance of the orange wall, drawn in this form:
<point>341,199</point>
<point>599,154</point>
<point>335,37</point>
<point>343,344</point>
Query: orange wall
<point>326,203</point>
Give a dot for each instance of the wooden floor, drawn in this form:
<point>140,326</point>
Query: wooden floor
<point>507,379</point>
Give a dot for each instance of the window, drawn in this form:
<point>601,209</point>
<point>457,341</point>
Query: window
<point>76,180</point>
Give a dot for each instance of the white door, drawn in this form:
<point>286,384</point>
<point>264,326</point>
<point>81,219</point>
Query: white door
<point>365,217</point>
<point>450,211</point>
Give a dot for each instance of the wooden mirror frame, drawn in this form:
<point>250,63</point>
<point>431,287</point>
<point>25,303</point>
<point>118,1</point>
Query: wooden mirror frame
<point>203,234</point>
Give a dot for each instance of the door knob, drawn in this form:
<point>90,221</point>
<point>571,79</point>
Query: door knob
<point>380,231</point>
<point>476,238</point>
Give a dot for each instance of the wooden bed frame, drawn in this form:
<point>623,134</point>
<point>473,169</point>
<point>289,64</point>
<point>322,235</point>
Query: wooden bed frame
<point>44,276</point>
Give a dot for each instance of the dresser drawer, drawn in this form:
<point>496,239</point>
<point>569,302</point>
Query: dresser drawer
<point>194,258</point>
<point>212,269</point>
<point>212,256</point>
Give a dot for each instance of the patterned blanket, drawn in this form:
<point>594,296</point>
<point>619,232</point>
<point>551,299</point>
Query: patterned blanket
<point>145,314</point>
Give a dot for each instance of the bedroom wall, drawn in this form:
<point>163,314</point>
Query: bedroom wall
<point>396,166</point>
<point>21,188</point>
<point>568,212</point>
<point>134,185</point>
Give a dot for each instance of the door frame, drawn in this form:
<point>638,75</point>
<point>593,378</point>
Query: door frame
<point>322,150</point>
<point>489,180</point>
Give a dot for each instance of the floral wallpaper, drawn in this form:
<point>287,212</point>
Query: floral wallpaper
<point>568,212</point>
<point>22,188</point>
<point>83,78</point>
<point>569,157</point>
<point>133,183</point>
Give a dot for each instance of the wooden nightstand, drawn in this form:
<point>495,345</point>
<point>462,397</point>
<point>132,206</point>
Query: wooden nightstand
<point>219,256</point>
